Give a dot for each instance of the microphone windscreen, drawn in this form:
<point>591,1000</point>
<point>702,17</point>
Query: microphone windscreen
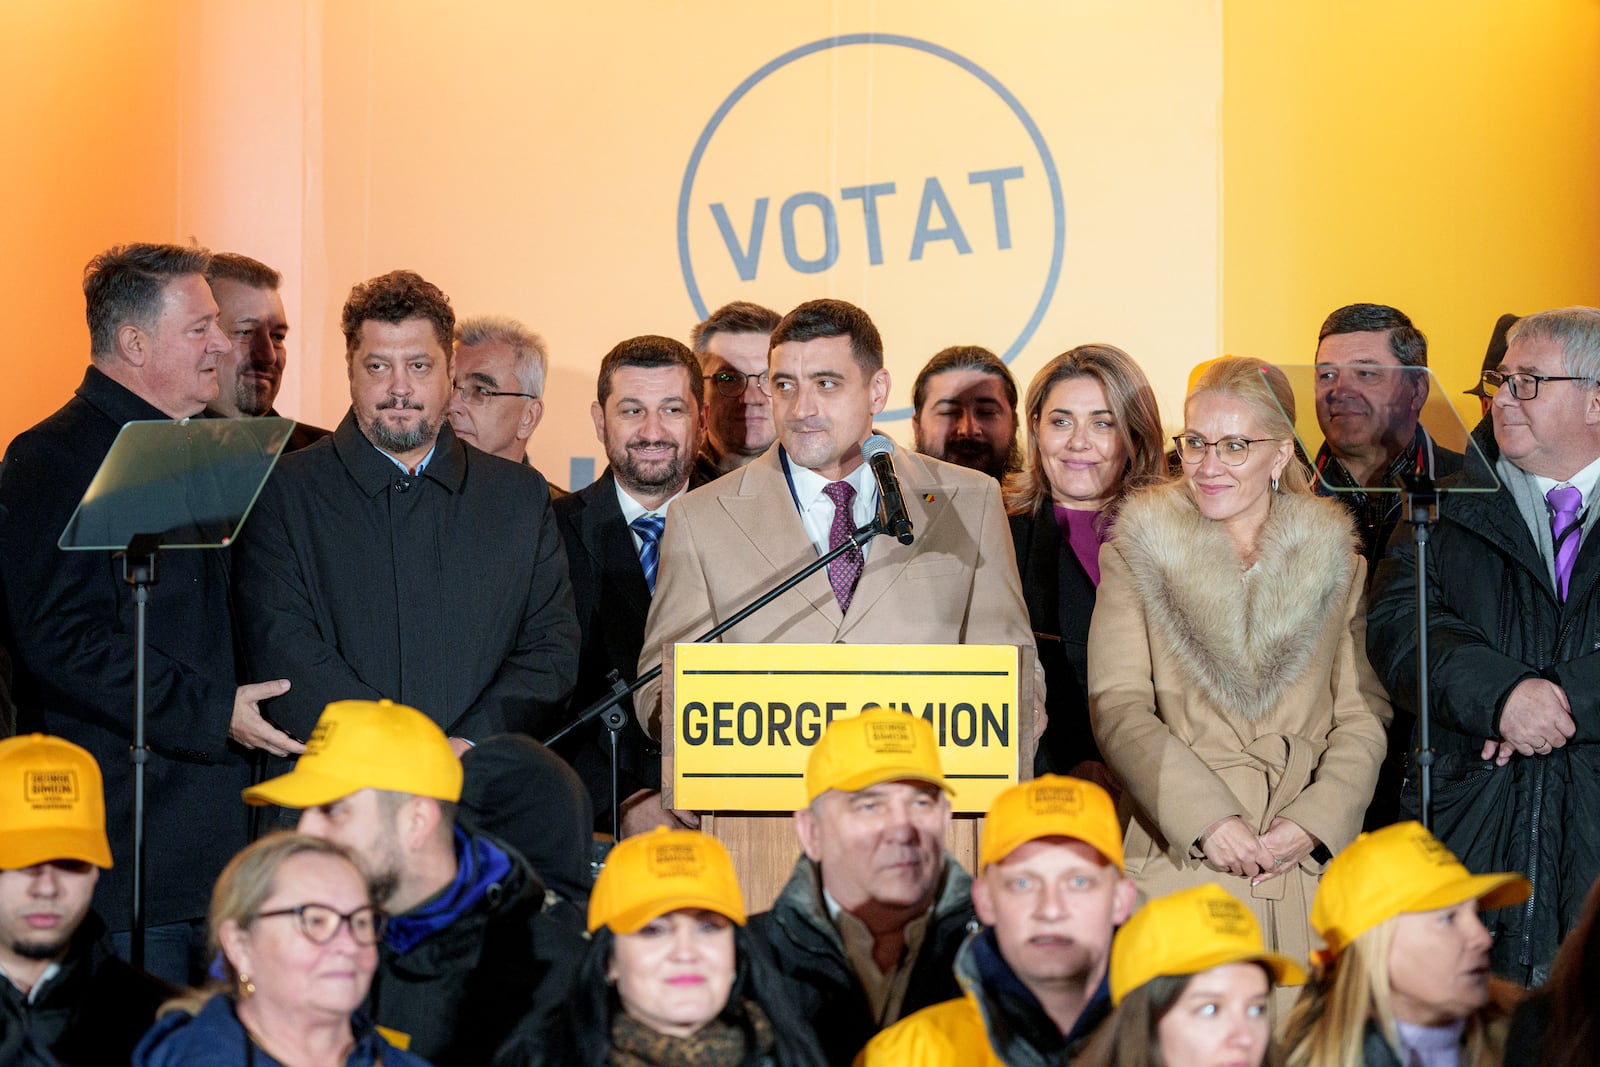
<point>876,445</point>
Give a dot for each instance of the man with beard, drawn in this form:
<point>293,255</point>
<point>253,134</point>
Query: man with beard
<point>732,348</point>
<point>389,560</point>
<point>1050,893</point>
<point>1367,407</point>
<point>469,950</point>
<point>65,998</point>
<point>964,411</point>
<point>648,413</point>
<point>250,312</point>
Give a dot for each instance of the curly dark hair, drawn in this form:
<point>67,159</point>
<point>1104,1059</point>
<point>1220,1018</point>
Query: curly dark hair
<point>394,298</point>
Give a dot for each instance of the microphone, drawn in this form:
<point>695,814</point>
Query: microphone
<point>877,450</point>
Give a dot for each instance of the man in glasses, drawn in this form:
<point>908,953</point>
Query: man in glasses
<point>1367,407</point>
<point>64,995</point>
<point>732,346</point>
<point>468,950</point>
<point>649,411</point>
<point>1514,622</point>
<point>498,376</point>
<point>964,411</point>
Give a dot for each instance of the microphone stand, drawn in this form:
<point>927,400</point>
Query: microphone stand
<point>1422,511</point>
<point>139,569</point>
<point>615,719</point>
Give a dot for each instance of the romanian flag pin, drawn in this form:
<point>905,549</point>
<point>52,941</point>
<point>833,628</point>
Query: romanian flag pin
<point>927,498</point>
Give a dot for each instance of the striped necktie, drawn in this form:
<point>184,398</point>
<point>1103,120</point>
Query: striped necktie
<point>649,528</point>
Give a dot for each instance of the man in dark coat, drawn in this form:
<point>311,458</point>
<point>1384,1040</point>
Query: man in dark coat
<point>469,950</point>
<point>389,560</point>
<point>1514,624</point>
<point>155,344</point>
<point>65,999</point>
<point>252,317</point>
<point>649,415</point>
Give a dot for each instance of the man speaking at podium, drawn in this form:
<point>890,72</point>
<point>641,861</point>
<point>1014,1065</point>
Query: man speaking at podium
<point>735,538</point>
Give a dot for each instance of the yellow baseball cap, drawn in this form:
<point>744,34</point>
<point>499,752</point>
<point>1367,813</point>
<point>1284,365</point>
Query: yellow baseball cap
<point>1051,806</point>
<point>52,804</point>
<point>648,875</point>
<point>1395,870</point>
<point>1187,932</point>
<point>366,744</point>
<point>878,745</point>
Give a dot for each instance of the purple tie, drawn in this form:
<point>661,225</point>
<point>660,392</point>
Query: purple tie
<point>846,567</point>
<point>1565,504</point>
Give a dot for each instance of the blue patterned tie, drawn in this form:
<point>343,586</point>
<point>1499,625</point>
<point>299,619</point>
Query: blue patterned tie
<point>649,527</point>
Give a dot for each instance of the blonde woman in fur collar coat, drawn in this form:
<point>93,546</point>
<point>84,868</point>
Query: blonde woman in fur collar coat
<point>1229,688</point>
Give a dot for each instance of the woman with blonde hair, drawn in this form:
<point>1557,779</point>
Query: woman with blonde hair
<point>298,933</point>
<point>1094,433</point>
<point>1229,688</point>
<point>1404,978</point>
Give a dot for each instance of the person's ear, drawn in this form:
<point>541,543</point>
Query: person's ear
<point>809,832</point>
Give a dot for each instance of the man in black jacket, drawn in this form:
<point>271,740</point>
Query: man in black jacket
<point>469,950</point>
<point>868,927</point>
<point>390,561</point>
<point>649,413</point>
<point>154,348</point>
<point>65,999</point>
<point>1514,625</point>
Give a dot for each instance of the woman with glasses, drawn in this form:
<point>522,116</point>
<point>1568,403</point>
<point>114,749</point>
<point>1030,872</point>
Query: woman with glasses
<point>671,978</point>
<point>1094,433</point>
<point>1228,680</point>
<point>294,923</point>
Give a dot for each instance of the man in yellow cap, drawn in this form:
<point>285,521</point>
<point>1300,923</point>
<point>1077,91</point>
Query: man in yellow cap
<point>64,996</point>
<point>870,921</point>
<point>469,950</point>
<point>1050,893</point>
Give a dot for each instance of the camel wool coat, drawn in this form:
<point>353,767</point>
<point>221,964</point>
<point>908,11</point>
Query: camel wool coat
<point>1218,691</point>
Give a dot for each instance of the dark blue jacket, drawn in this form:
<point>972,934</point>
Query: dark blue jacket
<point>216,1038</point>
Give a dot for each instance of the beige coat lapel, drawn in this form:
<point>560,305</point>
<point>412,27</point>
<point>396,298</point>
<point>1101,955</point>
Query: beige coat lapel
<point>764,511</point>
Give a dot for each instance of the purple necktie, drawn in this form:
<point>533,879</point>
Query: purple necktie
<point>1565,504</point>
<point>846,567</point>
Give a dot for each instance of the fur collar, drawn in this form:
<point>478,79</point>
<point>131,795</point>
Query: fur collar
<point>1243,638</point>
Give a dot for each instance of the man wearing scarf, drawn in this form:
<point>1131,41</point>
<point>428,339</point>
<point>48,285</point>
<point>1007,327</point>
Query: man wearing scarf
<point>469,950</point>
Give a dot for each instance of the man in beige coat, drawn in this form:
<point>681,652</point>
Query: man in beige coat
<point>731,540</point>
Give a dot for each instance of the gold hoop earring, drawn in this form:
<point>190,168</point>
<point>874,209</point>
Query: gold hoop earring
<point>247,988</point>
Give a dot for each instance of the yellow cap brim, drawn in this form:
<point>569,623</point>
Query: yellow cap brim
<point>632,920</point>
<point>32,846</point>
<point>300,788</point>
<point>1285,971</point>
<point>1489,890</point>
<point>854,783</point>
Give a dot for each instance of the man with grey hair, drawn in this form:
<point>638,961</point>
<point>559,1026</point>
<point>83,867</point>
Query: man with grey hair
<point>732,346</point>
<point>499,374</point>
<point>964,411</point>
<point>1514,622</point>
<point>155,343</point>
<point>251,314</point>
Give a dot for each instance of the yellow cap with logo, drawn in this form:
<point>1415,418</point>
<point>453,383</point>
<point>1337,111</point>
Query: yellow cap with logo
<point>52,803</point>
<point>878,745</point>
<point>1191,931</point>
<point>366,744</point>
<point>650,874</point>
<point>1051,806</point>
<point>1395,870</point>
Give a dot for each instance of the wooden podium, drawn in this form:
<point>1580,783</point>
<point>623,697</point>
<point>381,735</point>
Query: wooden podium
<point>761,837</point>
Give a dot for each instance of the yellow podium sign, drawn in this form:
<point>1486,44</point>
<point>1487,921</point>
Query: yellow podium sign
<point>745,717</point>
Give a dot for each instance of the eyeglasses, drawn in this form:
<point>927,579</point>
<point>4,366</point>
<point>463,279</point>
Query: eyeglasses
<point>729,382</point>
<point>321,923</point>
<point>478,394</point>
<point>1523,385</point>
<point>1232,451</point>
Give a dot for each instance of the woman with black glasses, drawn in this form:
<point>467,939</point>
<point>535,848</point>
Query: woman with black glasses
<point>1229,688</point>
<point>297,932</point>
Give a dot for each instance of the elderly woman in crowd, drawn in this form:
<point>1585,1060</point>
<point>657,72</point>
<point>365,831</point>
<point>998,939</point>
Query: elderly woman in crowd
<point>1093,434</point>
<point>294,921</point>
<point>671,979</point>
<point>1190,979</point>
<point>1228,683</point>
<point>1404,979</point>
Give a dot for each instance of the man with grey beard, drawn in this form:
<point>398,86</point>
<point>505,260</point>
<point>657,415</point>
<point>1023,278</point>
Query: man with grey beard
<point>389,561</point>
<point>650,415</point>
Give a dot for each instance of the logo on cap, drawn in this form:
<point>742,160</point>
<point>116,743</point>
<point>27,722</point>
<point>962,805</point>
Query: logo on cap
<point>1228,917</point>
<point>1055,800</point>
<point>890,736</point>
<point>675,860</point>
<point>1433,851</point>
<point>50,789</point>
<point>321,736</point>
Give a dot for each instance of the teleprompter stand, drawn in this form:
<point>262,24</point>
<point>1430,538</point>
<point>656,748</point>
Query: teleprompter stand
<point>608,709</point>
<point>167,486</point>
